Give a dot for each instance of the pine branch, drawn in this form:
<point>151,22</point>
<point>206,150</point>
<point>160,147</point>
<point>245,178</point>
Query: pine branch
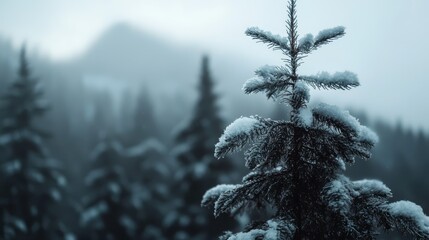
<point>328,35</point>
<point>275,42</point>
<point>241,132</point>
<point>339,80</point>
<point>271,80</point>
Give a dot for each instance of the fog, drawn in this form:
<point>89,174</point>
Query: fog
<point>126,73</point>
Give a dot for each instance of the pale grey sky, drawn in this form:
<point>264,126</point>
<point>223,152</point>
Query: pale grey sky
<point>386,41</point>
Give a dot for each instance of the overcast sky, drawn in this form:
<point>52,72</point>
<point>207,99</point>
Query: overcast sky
<point>386,42</point>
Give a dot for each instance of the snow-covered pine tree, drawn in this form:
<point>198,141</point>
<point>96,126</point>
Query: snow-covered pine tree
<point>107,209</point>
<point>197,170</point>
<point>150,170</point>
<point>296,165</point>
<point>32,183</point>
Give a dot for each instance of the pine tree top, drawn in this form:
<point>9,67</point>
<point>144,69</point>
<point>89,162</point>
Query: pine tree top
<point>296,165</point>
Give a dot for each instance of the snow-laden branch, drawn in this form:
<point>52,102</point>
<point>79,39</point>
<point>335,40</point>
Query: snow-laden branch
<point>409,217</point>
<point>339,80</point>
<point>369,187</point>
<point>343,121</point>
<point>270,230</point>
<point>306,43</point>
<point>273,41</point>
<point>214,193</point>
<point>328,35</point>
<point>270,79</point>
<point>336,196</point>
<point>239,133</point>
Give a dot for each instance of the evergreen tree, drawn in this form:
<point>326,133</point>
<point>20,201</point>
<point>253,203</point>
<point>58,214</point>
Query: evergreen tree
<point>296,165</point>
<point>197,170</point>
<point>150,170</point>
<point>107,213</point>
<point>32,183</point>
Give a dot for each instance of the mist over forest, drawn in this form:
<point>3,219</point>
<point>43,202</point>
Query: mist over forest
<point>123,116</point>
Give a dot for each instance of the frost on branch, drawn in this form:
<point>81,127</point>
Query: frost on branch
<point>273,41</point>
<point>239,133</point>
<point>271,230</point>
<point>300,94</point>
<point>336,194</point>
<point>213,194</point>
<point>306,43</point>
<point>409,217</point>
<point>367,187</point>
<point>328,35</point>
<point>339,80</point>
<point>270,79</point>
<point>344,122</point>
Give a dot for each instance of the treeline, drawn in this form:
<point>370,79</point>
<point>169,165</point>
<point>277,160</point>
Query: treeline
<point>83,163</point>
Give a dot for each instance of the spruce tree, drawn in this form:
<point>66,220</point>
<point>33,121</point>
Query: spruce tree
<point>198,171</point>
<point>107,210</point>
<point>32,182</point>
<point>296,166</point>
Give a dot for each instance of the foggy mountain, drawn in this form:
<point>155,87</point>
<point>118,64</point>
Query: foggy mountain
<point>127,58</point>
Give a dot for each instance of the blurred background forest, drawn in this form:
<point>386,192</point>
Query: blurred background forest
<point>131,125</point>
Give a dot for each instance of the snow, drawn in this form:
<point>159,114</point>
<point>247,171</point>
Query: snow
<point>326,35</point>
<point>127,222</point>
<point>200,169</point>
<point>250,235</point>
<point>94,212</point>
<point>144,147</point>
<point>114,188</point>
<point>406,209</point>
<point>337,196</point>
<point>267,37</point>
<point>36,176</point>
<point>56,195</point>
<point>302,90</point>
<point>306,116</point>
<point>103,146</point>
<point>366,186</point>
<point>69,236</point>
<point>12,166</point>
<point>242,126</point>
<point>306,43</point>
<point>368,135</point>
<point>339,80</point>
<point>20,135</point>
<point>253,84</point>
<point>269,234</point>
<point>214,193</point>
<point>94,175</point>
<point>267,70</point>
<point>19,223</point>
<point>333,113</point>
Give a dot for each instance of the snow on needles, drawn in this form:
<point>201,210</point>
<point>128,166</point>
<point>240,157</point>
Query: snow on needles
<point>214,193</point>
<point>241,127</point>
<point>367,187</point>
<point>271,233</point>
<point>410,210</point>
<point>333,115</point>
<point>274,41</point>
<point>327,35</point>
<point>339,80</point>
